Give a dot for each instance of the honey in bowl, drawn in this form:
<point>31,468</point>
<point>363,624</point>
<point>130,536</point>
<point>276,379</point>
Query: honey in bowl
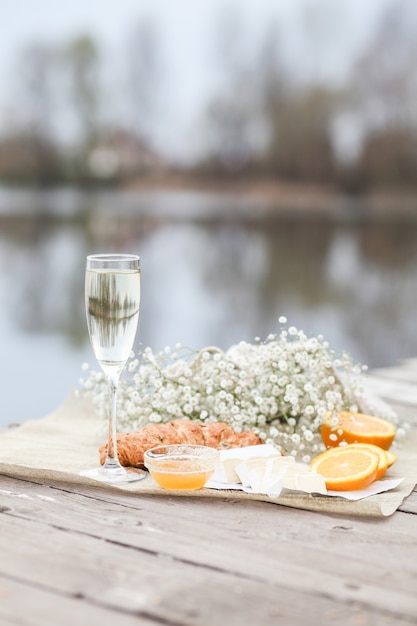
<point>181,467</point>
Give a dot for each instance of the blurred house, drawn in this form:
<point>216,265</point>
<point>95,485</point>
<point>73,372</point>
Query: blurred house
<point>122,155</point>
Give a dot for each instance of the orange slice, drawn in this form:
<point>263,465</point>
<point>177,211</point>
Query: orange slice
<point>391,457</point>
<point>358,428</point>
<point>382,456</point>
<point>346,468</point>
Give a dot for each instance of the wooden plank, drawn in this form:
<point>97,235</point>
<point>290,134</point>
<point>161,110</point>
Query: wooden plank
<point>29,605</point>
<point>48,504</point>
<point>168,591</point>
<point>410,504</point>
<point>317,554</point>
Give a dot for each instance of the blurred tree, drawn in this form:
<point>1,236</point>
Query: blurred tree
<point>81,63</point>
<point>384,79</point>
<point>298,107</point>
<point>384,91</point>
<point>263,121</point>
<point>25,156</point>
<point>144,76</point>
<point>300,143</point>
<point>30,143</point>
<point>389,156</point>
<point>232,120</point>
<point>35,67</point>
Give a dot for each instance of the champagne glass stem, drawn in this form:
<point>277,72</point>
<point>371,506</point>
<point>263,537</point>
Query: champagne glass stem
<point>112,459</point>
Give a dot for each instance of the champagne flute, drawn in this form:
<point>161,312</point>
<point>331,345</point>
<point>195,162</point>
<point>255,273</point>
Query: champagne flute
<point>112,300</point>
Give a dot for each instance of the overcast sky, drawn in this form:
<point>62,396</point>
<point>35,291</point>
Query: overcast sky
<point>186,28</point>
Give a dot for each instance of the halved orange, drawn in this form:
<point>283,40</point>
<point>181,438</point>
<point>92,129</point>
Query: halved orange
<point>358,428</point>
<point>382,456</point>
<point>346,468</point>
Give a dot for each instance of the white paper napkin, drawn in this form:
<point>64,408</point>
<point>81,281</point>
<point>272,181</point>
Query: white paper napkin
<point>378,486</point>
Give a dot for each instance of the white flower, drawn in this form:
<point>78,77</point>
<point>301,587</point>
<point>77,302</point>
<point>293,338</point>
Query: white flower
<point>308,435</point>
<point>282,388</point>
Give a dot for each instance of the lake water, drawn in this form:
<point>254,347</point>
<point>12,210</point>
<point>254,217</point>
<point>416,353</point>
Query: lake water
<point>214,272</point>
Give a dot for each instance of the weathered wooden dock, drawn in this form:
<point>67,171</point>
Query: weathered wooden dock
<point>76,554</point>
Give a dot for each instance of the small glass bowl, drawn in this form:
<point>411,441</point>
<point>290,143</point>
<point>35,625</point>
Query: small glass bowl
<point>181,467</point>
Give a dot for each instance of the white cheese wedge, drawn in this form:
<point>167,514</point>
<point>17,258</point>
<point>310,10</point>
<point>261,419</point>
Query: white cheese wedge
<point>262,469</point>
<point>271,475</point>
<point>229,459</point>
<point>312,483</point>
<point>260,473</point>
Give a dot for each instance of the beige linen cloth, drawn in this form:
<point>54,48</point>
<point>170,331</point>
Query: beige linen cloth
<point>65,442</point>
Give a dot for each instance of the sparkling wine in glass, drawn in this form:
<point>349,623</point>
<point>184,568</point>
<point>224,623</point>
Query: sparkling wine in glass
<point>112,300</point>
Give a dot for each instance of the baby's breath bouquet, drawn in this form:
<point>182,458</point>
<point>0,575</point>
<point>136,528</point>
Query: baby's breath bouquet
<point>281,388</point>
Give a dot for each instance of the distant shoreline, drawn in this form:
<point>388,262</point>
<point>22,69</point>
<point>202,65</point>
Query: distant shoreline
<point>183,197</point>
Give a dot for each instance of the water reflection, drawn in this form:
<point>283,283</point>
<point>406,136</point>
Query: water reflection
<point>204,283</point>
<point>112,307</point>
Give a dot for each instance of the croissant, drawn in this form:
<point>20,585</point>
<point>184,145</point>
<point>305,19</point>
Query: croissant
<point>132,446</point>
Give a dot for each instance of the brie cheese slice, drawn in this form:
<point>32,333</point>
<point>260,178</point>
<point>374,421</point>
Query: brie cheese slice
<point>230,459</point>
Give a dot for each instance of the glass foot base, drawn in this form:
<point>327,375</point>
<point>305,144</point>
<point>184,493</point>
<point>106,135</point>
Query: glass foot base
<point>115,476</point>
